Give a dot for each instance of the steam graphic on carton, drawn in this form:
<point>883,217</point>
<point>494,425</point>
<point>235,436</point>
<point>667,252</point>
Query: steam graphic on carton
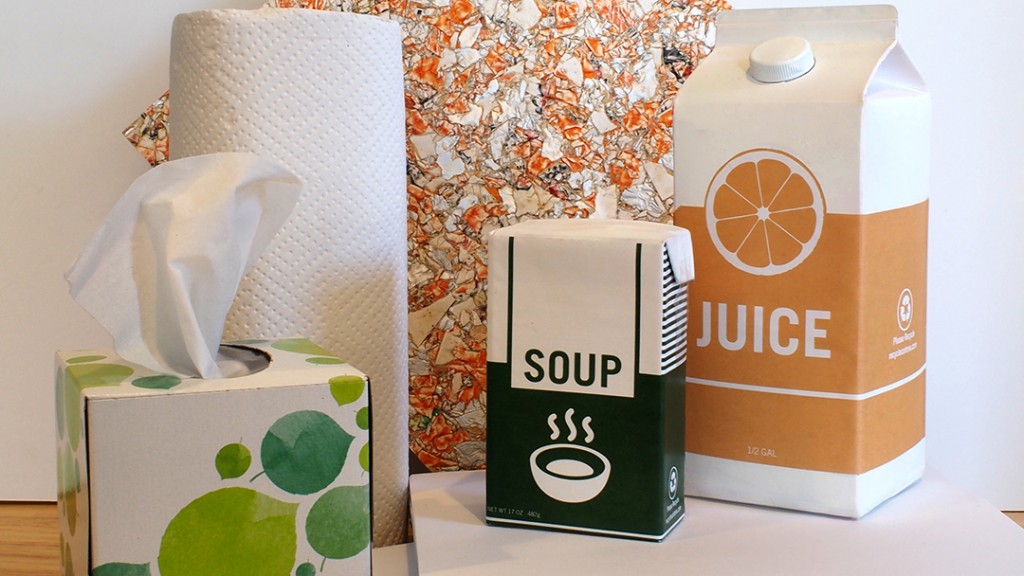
<point>553,418</point>
<point>569,472</point>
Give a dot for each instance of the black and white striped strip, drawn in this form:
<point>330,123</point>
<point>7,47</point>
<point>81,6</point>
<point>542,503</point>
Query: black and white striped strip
<point>673,318</point>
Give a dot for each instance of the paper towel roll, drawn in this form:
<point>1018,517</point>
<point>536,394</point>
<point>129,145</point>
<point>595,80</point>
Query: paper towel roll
<point>320,92</point>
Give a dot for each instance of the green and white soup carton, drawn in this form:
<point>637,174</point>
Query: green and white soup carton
<point>262,474</point>
<point>586,347</point>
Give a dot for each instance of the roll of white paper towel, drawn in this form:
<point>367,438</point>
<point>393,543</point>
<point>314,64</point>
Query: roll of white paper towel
<point>320,92</point>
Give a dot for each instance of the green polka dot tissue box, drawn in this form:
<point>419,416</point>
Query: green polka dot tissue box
<point>267,473</point>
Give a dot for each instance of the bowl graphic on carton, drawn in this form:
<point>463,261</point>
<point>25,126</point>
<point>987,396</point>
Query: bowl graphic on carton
<point>569,472</point>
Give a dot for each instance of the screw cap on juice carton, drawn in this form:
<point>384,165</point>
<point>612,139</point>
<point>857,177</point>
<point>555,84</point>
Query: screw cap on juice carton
<point>781,59</point>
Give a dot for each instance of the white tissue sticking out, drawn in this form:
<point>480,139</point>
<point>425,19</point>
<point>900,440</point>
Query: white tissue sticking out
<point>162,271</point>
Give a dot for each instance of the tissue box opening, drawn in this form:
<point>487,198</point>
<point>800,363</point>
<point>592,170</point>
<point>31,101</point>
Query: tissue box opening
<point>261,469</point>
<point>235,360</point>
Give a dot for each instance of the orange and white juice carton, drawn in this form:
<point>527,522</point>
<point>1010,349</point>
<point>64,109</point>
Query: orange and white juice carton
<point>801,169</point>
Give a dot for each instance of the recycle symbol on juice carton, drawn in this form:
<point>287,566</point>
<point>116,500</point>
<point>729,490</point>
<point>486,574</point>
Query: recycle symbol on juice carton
<point>237,530</point>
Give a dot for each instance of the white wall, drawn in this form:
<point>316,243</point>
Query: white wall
<point>75,74</point>
<point>72,76</point>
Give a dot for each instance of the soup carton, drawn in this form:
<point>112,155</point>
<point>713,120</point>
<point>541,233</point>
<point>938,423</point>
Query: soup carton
<point>801,170</point>
<point>586,350</point>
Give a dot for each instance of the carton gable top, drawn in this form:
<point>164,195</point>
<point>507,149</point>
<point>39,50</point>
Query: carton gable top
<point>676,240</point>
<point>825,24</point>
<point>593,229</point>
<point>856,54</point>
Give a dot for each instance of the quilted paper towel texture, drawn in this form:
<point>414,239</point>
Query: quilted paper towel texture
<point>322,93</point>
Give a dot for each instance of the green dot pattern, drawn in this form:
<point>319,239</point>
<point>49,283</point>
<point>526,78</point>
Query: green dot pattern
<point>338,524</point>
<point>325,360</point>
<point>233,460</point>
<point>157,382</point>
<point>300,346</point>
<point>230,532</point>
<point>303,452</point>
<point>121,569</point>
<point>347,389</point>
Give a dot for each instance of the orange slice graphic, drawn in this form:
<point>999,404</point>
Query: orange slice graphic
<point>764,211</point>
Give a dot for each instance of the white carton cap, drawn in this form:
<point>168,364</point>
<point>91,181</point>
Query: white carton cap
<point>781,59</point>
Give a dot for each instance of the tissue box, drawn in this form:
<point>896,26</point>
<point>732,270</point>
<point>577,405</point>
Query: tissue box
<point>266,473</point>
<point>807,196</point>
<point>586,349</point>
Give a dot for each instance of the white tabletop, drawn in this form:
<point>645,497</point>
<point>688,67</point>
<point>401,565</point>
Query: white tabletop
<point>397,560</point>
<point>934,528</point>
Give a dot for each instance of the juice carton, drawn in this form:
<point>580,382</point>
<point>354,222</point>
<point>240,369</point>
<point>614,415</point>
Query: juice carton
<point>801,171</point>
<point>586,350</point>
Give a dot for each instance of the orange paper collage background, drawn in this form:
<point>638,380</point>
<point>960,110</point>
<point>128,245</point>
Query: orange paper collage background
<point>515,110</point>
